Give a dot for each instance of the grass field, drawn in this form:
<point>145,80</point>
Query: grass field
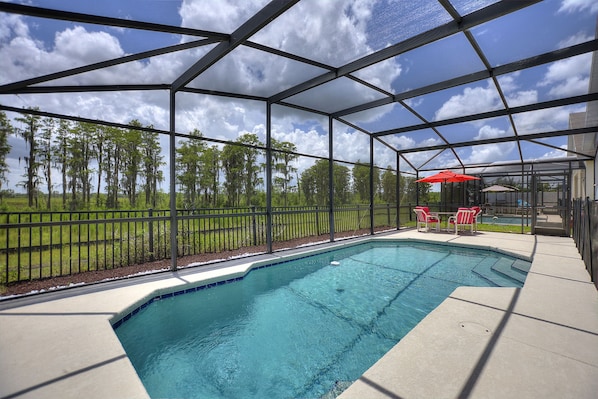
<point>37,245</point>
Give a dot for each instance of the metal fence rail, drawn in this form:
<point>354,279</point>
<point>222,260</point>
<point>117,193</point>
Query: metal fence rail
<point>585,234</point>
<point>36,245</point>
<point>293,222</point>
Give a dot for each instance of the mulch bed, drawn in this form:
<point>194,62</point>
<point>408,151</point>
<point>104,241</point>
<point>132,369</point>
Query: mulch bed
<point>54,283</point>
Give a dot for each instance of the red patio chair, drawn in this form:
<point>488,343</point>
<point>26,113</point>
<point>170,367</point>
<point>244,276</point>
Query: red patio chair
<point>477,212</point>
<point>424,217</point>
<point>464,217</point>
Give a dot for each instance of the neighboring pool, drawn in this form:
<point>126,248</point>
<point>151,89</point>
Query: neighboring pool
<point>511,220</point>
<point>303,328</point>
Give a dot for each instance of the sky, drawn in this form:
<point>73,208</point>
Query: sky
<point>331,32</point>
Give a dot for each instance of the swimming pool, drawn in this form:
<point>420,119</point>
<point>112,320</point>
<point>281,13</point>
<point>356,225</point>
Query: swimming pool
<point>301,328</point>
<point>510,220</point>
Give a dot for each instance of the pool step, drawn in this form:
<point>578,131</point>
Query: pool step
<point>500,272</point>
<point>522,265</point>
<point>485,270</point>
<point>506,267</point>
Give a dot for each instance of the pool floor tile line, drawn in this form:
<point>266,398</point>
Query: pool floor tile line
<point>523,364</point>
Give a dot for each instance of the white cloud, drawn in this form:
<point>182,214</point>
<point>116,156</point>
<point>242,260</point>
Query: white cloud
<point>575,39</point>
<point>471,101</point>
<point>568,77</point>
<point>508,83</point>
<point>489,132</point>
<point>222,16</point>
<point>371,115</point>
<point>301,29</point>
<point>555,153</point>
<point>83,47</point>
<point>414,102</point>
<point>400,141</point>
<point>545,120</point>
<point>351,146</point>
<point>571,86</point>
<point>522,98</point>
<point>25,57</point>
<point>217,117</point>
<point>490,153</point>
<point>570,6</point>
<point>381,74</point>
<point>310,141</point>
<point>562,78</point>
<point>12,25</point>
<point>21,59</point>
<point>562,70</point>
<point>403,141</point>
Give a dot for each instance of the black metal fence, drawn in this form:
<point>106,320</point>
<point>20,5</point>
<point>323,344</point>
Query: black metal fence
<point>36,245</point>
<point>585,234</point>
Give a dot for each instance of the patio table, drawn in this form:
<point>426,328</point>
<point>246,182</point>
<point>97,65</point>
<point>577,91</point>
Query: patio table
<point>440,215</point>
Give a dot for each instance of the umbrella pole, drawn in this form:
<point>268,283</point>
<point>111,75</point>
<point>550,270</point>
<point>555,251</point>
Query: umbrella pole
<point>443,192</point>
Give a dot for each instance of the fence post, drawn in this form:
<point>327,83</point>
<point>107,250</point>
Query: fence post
<point>590,230</point>
<point>253,225</point>
<point>388,213</point>
<point>317,222</point>
<point>151,234</point>
<point>358,218</point>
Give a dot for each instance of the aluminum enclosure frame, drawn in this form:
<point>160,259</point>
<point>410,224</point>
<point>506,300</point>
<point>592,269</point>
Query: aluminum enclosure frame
<point>225,43</point>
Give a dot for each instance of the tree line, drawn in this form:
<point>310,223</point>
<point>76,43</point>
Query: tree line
<point>128,169</point>
<point>128,162</point>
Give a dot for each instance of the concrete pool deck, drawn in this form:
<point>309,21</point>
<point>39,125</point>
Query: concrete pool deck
<point>538,341</point>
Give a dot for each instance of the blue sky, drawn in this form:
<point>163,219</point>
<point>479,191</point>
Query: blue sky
<point>332,32</point>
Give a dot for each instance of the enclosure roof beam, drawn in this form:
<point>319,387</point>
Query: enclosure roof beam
<point>554,147</point>
<point>530,62</point>
<point>475,18</point>
<point>16,86</point>
<point>575,162</point>
<point>262,18</point>
<point>493,114</point>
<point>30,111</point>
<point>86,88</point>
<point>504,139</point>
<point>222,94</point>
<point>288,55</point>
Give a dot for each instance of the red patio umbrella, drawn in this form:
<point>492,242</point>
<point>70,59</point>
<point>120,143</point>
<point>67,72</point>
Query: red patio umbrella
<point>447,176</point>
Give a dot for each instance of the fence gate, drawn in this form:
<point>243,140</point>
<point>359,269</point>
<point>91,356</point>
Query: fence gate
<point>551,204</point>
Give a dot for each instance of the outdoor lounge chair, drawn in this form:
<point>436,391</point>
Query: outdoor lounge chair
<point>464,217</point>
<point>424,217</point>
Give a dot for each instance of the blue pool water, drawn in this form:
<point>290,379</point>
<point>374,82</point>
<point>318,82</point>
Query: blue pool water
<point>301,328</point>
<point>511,220</point>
